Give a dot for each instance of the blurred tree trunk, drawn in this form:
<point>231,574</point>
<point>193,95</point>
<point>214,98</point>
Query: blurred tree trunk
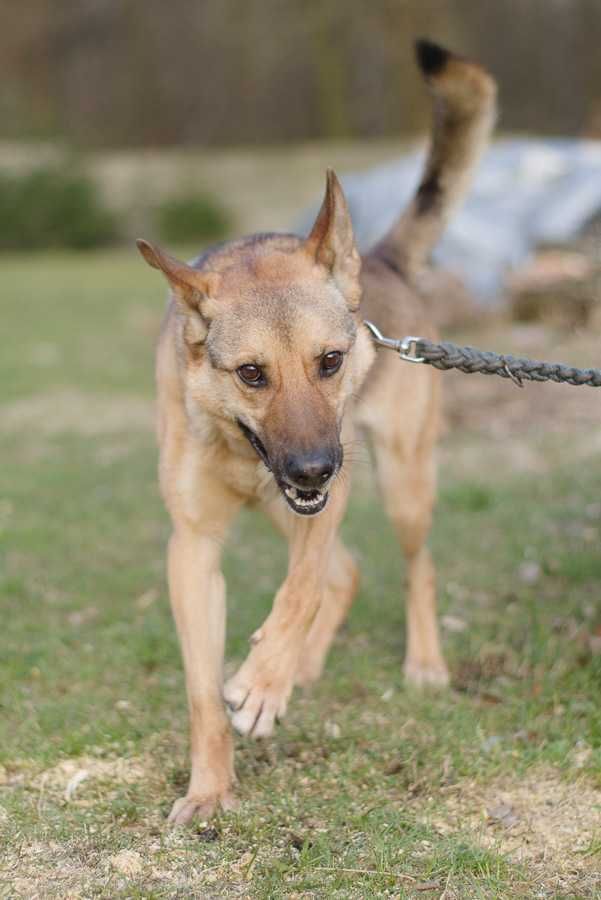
<point>118,72</point>
<point>327,27</point>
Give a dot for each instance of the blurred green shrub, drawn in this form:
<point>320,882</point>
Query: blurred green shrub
<point>51,207</point>
<point>197,217</point>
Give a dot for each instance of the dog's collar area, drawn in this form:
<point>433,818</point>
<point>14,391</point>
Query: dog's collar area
<point>405,347</point>
<point>255,441</point>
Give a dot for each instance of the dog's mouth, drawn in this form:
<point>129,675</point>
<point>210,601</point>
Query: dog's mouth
<point>305,503</point>
<point>256,443</point>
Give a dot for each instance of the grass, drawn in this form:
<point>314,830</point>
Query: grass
<point>368,789</point>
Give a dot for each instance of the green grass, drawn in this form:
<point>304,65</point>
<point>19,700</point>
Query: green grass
<point>367,789</point>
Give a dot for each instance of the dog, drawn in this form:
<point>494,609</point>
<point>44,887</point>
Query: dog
<point>262,377</point>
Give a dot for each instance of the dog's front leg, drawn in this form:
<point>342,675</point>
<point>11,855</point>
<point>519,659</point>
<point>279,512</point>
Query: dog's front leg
<point>259,692</point>
<point>197,590</point>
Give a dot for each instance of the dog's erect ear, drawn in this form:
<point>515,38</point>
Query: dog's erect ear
<point>332,242</point>
<point>193,290</point>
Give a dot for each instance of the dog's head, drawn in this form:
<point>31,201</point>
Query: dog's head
<point>273,343</point>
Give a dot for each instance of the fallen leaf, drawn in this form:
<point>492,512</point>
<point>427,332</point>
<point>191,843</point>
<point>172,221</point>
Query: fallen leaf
<point>127,862</point>
<point>298,842</point>
<point>581,754</point>
<point>332,729</point>
<point>208,835</point>
<point>82,616</point>
<point>145,600</point>
<point>504,815</point>
<point>74,783</point>
<point>453,624</point>
<point>594,643</point>
<point>489,699</point>
<point>490,743</point>
<point>526,736</point>
<point>529,572</point>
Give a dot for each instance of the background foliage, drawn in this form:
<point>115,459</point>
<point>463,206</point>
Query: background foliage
<point>52,207</point>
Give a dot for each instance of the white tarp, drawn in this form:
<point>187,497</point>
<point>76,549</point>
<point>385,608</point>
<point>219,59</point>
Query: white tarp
<point>526,192</point>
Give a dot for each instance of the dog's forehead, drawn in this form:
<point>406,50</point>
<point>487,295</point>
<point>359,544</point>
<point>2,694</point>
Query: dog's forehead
<point>273,269</point>
<point>271,324</point>
<point>286,302</point>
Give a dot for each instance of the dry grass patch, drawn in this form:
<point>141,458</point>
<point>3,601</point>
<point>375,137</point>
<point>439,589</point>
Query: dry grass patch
<point>78,776</point>
<point>551,826</point>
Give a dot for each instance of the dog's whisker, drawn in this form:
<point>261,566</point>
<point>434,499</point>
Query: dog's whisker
<point>356,443</point>
<point>356,448</point>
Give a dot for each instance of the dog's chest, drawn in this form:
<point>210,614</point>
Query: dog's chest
<point>245,476</point>
<point>243,472</point>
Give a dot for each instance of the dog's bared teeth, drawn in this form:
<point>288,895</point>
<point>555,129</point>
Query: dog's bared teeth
<point>314,501</point>
<point>308,501</point>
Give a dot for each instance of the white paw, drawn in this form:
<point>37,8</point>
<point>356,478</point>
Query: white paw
<point>254,706</point>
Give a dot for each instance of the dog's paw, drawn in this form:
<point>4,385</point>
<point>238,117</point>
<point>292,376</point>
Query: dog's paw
<point>422,675</point>
<point>256,699</point>
<point>195,807</point>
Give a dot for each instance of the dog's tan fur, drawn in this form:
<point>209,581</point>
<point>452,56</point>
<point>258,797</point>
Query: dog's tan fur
<point>281,303</point>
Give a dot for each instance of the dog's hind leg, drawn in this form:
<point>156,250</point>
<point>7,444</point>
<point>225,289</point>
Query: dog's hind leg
<point>341,588</point>
<point>406,469</point>
<point>408,491</point>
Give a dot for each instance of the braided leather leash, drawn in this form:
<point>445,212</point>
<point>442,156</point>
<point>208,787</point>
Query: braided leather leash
<point>470,360</point>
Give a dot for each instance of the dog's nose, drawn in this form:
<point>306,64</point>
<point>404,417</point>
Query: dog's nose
<point>310,471</point>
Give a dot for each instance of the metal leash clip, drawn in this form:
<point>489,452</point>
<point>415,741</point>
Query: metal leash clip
<point>406,348</point>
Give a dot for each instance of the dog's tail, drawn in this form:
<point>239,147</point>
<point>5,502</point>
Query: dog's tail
<point>464,108</point>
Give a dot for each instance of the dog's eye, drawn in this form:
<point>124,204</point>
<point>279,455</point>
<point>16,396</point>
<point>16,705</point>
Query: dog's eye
<point>252,375</point>
<point>330,363</point>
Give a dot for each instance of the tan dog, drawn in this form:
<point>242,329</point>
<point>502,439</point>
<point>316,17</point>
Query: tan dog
<point>261,371</point>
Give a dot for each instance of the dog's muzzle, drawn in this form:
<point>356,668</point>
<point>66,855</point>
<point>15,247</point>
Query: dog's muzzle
<point>303,478</point>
